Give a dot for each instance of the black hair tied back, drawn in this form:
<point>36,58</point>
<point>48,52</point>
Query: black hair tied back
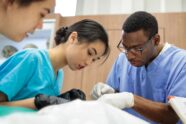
<point>61,35</point>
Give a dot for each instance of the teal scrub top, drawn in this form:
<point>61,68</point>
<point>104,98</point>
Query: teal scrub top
<point>28,73</point>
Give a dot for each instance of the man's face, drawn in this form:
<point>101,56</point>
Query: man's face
<point>138,47</point>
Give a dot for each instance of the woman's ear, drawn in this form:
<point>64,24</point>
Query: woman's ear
<point>8,4</point>
<point>73,37</point>
<point>5,3</point>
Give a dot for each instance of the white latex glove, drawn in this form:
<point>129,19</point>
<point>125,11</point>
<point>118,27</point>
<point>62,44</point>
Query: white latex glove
<point>100,89</point>
<point>119,100</point>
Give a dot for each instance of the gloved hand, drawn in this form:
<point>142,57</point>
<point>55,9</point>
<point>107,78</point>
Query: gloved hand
<point>119,100</point>
<point>73,94</point>
<point>100,89</point>
<point>42,100</point>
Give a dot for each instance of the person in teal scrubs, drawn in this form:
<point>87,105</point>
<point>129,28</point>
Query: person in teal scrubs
<point>21,17</point>
<point>33,71</point>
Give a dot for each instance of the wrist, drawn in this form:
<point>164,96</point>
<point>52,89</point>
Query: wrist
<point>128,99</point>
<point>37,102</point>
<point>131,100</point>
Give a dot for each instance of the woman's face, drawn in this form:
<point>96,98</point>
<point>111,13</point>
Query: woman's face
<point>80,55</point>
<point>20,21</point>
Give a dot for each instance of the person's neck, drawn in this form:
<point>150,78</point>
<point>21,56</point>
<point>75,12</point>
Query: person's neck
<point>57,57</point>
<point>156,53</point>
<point>2,20</point>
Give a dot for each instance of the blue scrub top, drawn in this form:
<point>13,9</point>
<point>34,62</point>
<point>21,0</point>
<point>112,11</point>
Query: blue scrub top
<point>28,73</point>
<point>164,76</point>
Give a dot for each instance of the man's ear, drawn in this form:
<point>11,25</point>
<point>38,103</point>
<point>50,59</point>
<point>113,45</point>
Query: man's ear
<point>73,37</point>
<point>156,39</point>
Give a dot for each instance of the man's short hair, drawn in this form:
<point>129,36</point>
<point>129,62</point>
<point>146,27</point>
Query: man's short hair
<point>141,21</point>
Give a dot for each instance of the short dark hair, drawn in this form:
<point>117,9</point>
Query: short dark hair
<point>88,31</point>
<point>141,20</point>
<point>25,2</point>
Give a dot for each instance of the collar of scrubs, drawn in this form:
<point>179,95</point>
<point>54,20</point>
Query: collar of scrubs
<point>155,63</point>
<point>166,46</point>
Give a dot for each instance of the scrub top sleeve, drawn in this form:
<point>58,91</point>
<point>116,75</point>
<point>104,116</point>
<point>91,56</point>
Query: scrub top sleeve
<point>61,79</point>
<point>59,82</point>
<point>113,78</point>
<point>15,73</point>
<point>179,87</point>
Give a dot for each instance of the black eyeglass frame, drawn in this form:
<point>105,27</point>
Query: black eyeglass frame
<point>135,50</point>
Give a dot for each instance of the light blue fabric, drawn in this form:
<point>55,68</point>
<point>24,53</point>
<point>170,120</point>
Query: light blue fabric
<point>165,76</point>
<point>28,73</point>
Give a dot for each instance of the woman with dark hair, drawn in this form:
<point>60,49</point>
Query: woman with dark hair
<point>19,18</point>
<point>36,73</point>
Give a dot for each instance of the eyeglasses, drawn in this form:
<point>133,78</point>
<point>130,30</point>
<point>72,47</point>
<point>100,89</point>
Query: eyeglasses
<point>135,50</point>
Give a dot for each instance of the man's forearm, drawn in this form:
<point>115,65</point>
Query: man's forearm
<point>28,103</point>
<point>158,112</point>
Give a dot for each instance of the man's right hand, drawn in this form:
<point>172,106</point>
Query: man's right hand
<point>100,89</point>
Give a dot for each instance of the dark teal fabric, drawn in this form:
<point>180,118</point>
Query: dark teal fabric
<point>6,110</point>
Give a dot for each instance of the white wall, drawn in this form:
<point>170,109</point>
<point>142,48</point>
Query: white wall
<point>97,7</point>
<point>66,7</point>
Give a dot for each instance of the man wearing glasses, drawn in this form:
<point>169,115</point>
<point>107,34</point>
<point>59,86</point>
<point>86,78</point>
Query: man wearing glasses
<point>145,73</point>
